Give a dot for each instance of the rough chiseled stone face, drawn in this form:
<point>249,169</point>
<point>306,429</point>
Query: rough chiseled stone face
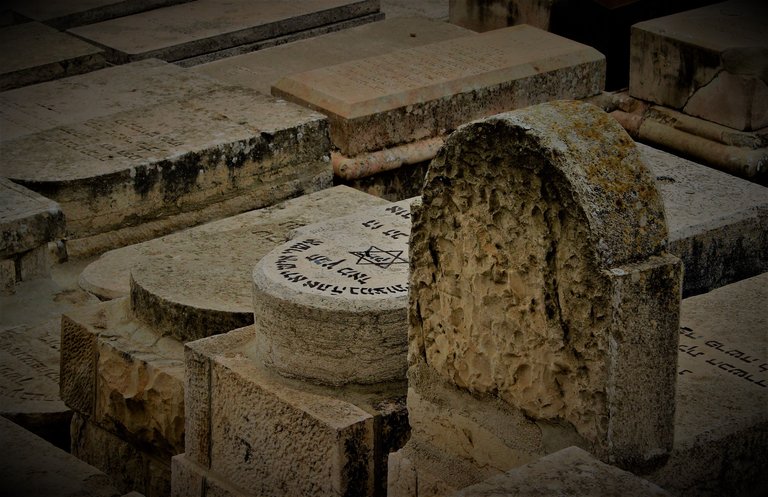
<point>531,224</point>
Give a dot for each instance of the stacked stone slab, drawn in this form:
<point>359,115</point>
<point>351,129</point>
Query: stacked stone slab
<point>180,160</point>
<point>543,301</point>
<point>33,53</point>
<point>382,115</point>
<point>319,378</point>
<point>205,30</point>
<point>122,366</point>
<point>700,74</point>
<point>28,221</point>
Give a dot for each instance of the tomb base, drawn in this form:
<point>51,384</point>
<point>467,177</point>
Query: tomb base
<point>270,435</point>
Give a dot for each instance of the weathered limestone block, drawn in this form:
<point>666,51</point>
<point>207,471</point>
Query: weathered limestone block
<point>33,467</point>
<point>225,151</point>
<point>125,377</point>
<point>205,26</point>
<point>64,15</point>
<point>539,276</point>
<point>268,435</point>
<point>487,15</point>
<point>375,103</point>
<point>708,62</point>
<point>563,473</point>
<point>32,53</point>
<point>330,303</point>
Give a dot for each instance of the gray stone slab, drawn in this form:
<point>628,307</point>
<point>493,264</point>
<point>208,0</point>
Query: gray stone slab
<point>707,62</point>
<point>64,14</point>
<point>32,53</point>
<point>27,219</point>
<point>205,26</point>
<point>228,151</point>
<point>32,466</point>
<point>721,420</point>
<point>568,471</point>
<point>260,70</point>
<point>718,223</point>
<point>380,102</point>
<point>95,94</point>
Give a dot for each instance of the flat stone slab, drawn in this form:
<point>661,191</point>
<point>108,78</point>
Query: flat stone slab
<point>69,13</point>
<point>261,69</point>
<point>231,149</point>
<point>563,473</point>
<point>197,283</point>
<point>340,290</point>
<point>96,94</point>
<point>718,223</point>
<point>27,219</point>
<point>722,393</point>
<point>204,26</point>
<point>33,53</point>
<point>380,101</point>
<point>32,466</point>
<point>708,62</point>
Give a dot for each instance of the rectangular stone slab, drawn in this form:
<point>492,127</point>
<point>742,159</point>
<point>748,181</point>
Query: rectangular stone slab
<point>64,14</point>
<point>205,26</point>
<point>179,156</point>
<point>260,70</point>
<point>382,101</point>
<point>32,53</point>
<point>721,425</point>
<point>95,94</point>
<point>707,62</point>
<point>718,223</point>
<point>27,219</point>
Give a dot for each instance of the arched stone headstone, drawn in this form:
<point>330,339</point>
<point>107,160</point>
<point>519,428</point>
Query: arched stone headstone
<point>539,275</point>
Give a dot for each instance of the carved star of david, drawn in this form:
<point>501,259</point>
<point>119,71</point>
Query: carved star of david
<point>375,256</point>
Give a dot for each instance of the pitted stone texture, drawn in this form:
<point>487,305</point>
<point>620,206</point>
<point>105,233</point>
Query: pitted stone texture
<point>130,468</point>
<point>33,467</point>
<point>718,223</point>
<point>32,53</point>
<point>283,436</point>
<point>708,62</point>
<point>330,304</point>
<point>375,103</point>
<point>231,147</point>
<point>27,219</point>
<point>63,15</point>
<point>204,26</point>
<point>96,94</point>
<point>198,283</point>
<point>261,69</point>
<point>126,378</point>
<point>538,274</point>
<point>721,421</point>
<point>570,471</point>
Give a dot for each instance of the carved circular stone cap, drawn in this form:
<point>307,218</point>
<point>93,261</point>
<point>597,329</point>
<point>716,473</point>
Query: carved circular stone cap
<point>330,305</point>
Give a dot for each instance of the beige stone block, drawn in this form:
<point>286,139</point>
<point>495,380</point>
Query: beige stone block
<point>488,15</point>
<point>261,69</point>
<point>564,472</point>
<point>32,53</point>
<point>193,480</point>
<point>204,26</point>
<point>35,263</point>
<point>707,62</point>
<point>27,221</point>
<point>173,158</point>
<point>374,103</point>
<point>550,292</point>
<point>7,275</point>
<point>78,365</point>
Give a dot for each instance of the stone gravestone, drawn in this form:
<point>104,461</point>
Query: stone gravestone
<point>216,28</point>
<point>309,400</point>
<point>543,302</point>
<point>32,53</point>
